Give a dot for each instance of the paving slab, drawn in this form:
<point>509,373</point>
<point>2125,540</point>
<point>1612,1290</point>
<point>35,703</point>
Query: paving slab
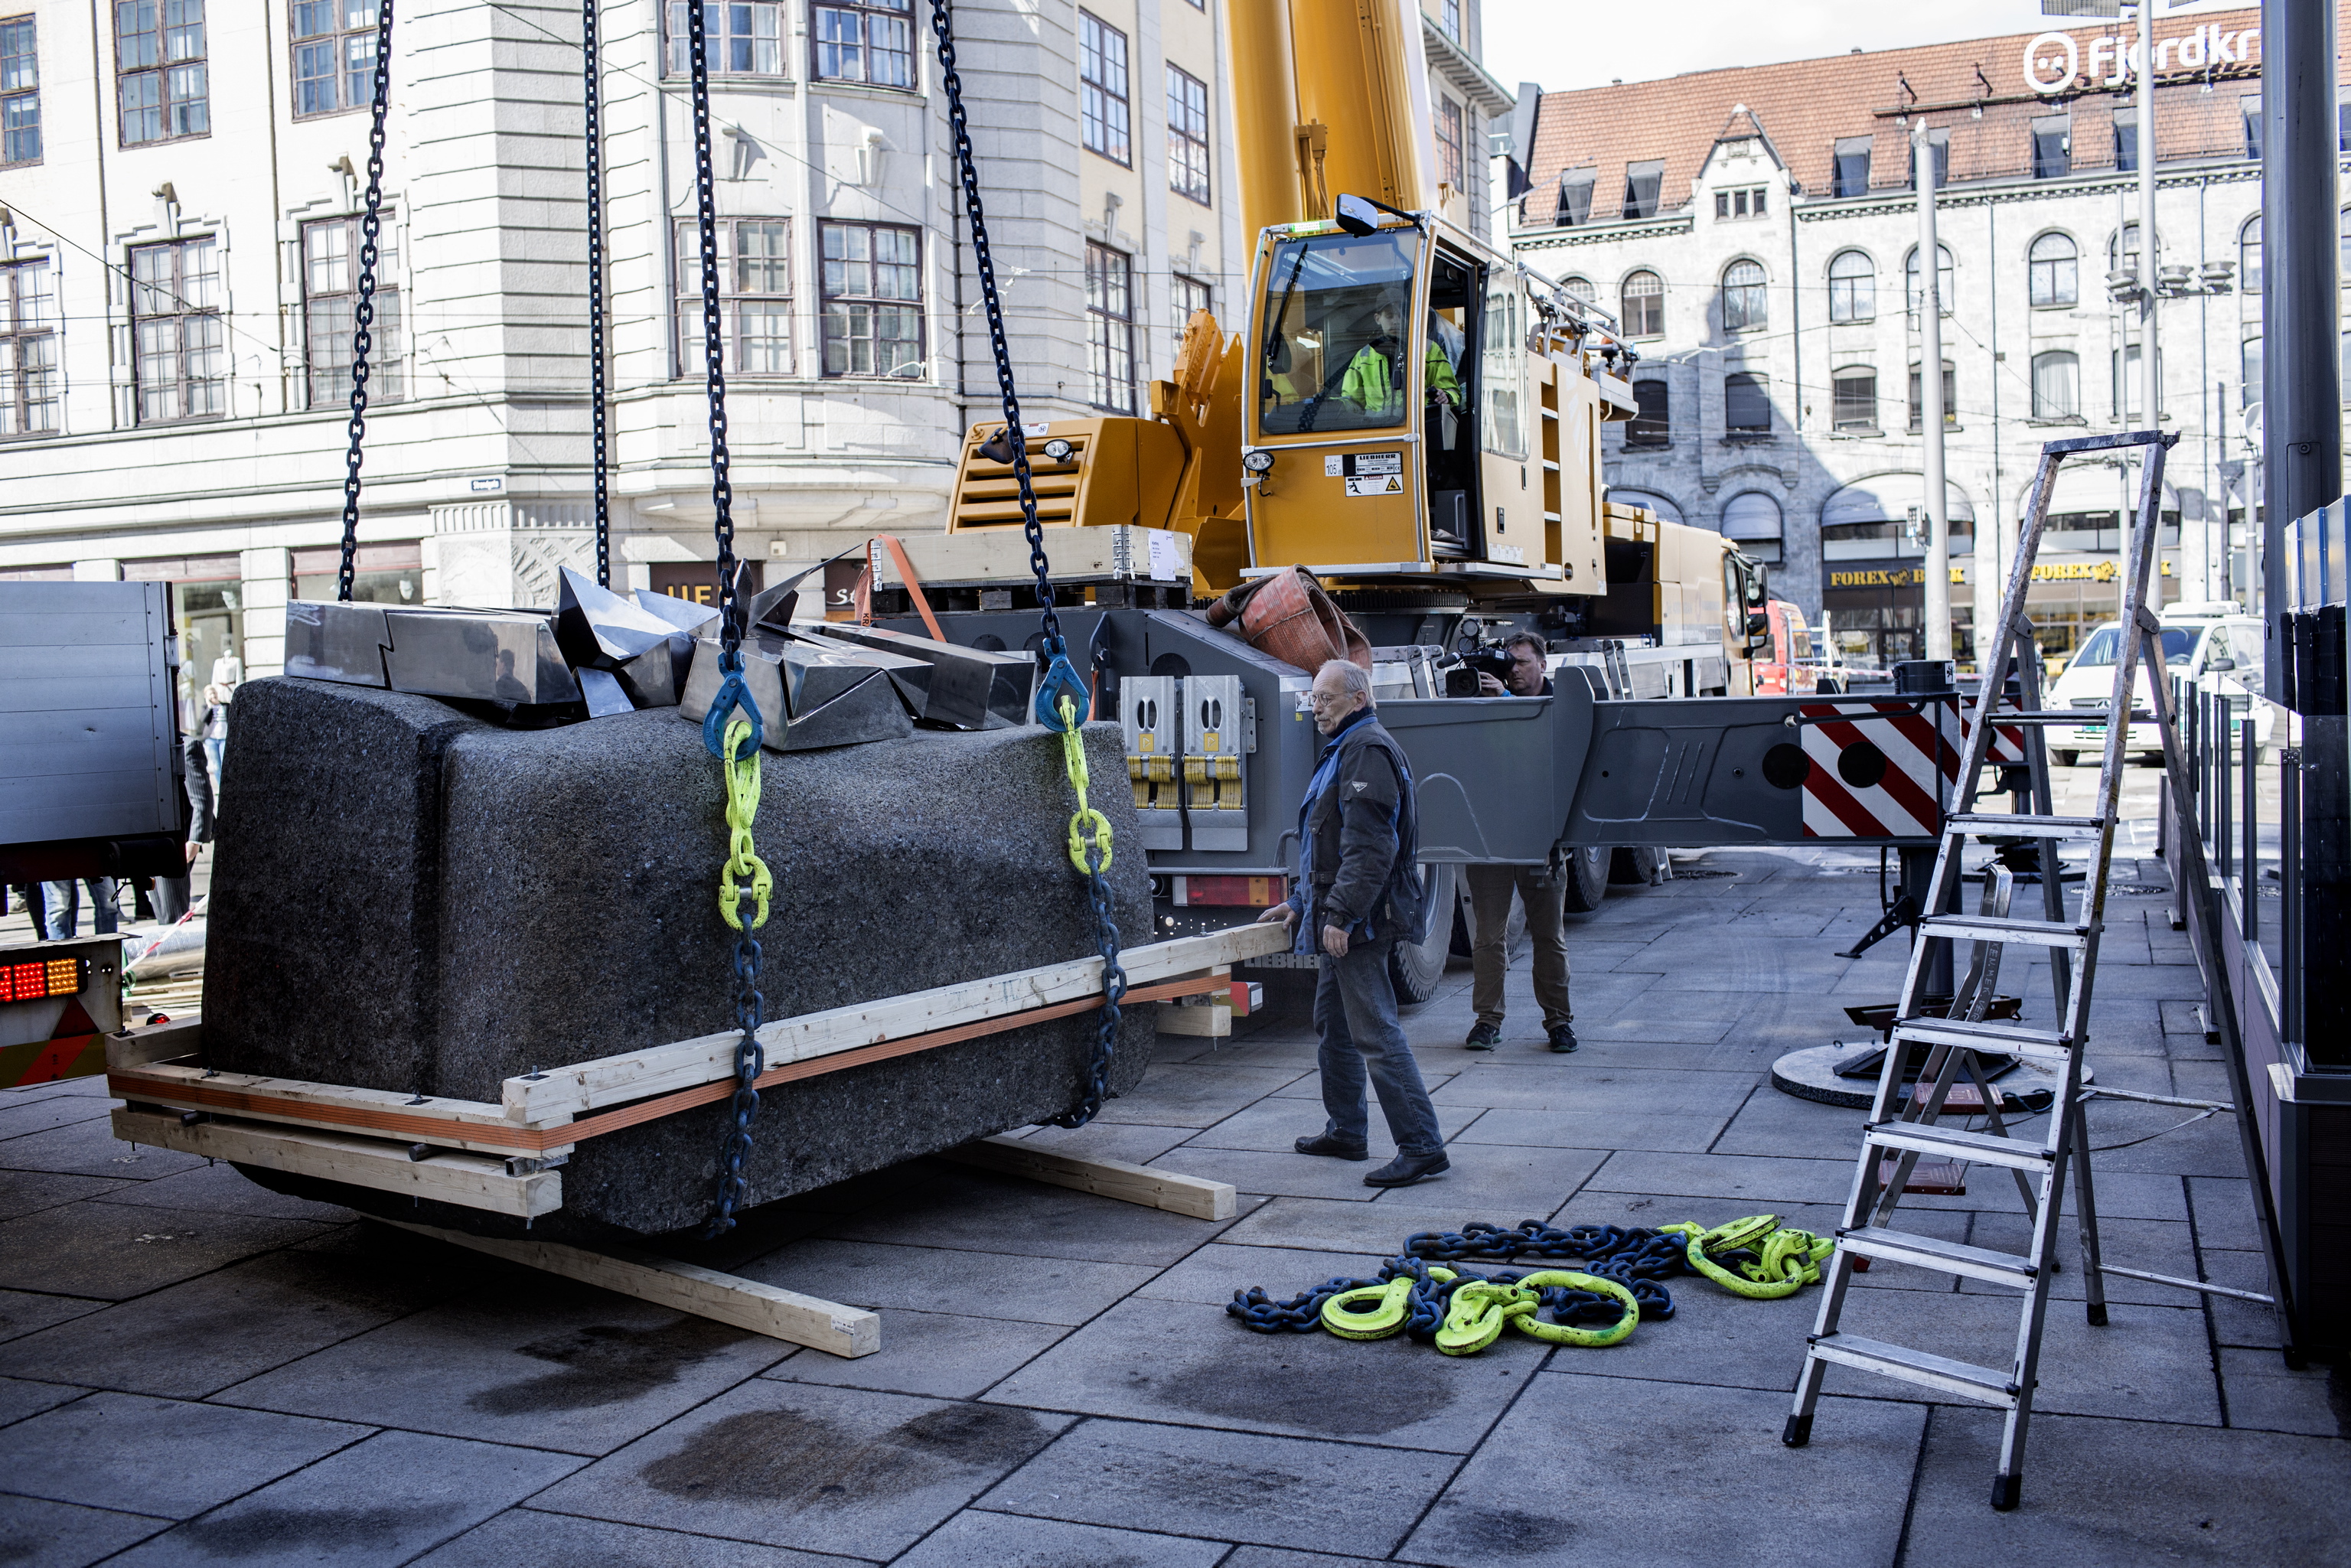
<point>1192,1366</point>
<point>1596,1130</point>
<point>2128,1493</point>
<point>90,1148</point>
<point>561,1366</point>
<point>1185,1095</point>
<point>2157,1246</point>
<point>984,1212</point>
<point>223,1189</point>
<point>1135,1142</point>
<point>2251,1324</point>
<point>45,1534</point>
<point>1209,1276</point>
<point>1275,1557</point>
<point>825,1469</point>
<point>1734,1178</point>
<point>1650,1452</point>
<point>1273,1126</point>
<point>1009,1540</point>
<point>20,1117</point>
<point>523,1536</point>
<point>1230,1486</point>
<point>25,1311</point>
<point>939,1355</point>
<point>21,1397</point>
<point>138,1454</point>
<point>932,1279</point>
<point>2265,1394</point>
<point>1437,1064</point>
<point>115,1252</point>
<point>28,1192</point>
<point>198,1337</point>
<point>1323,1225</point>
<point>1279,1175</point>
<point>1568,1085</point>
<point>378,1502</point>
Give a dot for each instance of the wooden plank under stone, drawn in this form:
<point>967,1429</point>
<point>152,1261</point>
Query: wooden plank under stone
<point>787,1315</point>
<point>1193,1196</point>
<point>473,1180</point>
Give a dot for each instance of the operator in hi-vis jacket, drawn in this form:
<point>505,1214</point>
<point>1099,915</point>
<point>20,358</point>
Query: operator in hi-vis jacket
<point>1358,894</point>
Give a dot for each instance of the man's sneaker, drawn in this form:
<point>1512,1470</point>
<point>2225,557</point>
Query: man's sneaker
<point>1336,1148</point>
<point>1485,1037</point>
<point>1562,1037</point>
<point>1406,1169</point>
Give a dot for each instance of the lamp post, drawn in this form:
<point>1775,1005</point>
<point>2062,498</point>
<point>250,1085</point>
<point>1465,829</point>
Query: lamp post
<point>1938,608</point>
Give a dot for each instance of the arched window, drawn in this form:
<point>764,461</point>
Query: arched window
<point>1753,520</point>
<point>2343,229</point>
<point>1943,290</point>
<point>1742,296</point>
<point>1853,398</point>
<point>1852,288</point>
<point>1654,426</point>
<point>2122,250</point>
<point>2249,255</point>
<point>2057,385</point>
<point>1747,404</point>
<point>1644,315</point>
<point>2054,263</point>
<point>1582,288</point>
<point>1950,398</point>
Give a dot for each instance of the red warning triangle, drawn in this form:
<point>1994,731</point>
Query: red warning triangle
<point>73,1020</point>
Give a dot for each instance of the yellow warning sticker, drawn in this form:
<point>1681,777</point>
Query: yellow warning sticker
<point>1374,484</point>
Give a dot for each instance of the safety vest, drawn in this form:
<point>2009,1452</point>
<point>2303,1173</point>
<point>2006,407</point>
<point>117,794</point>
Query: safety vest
<point>1371,378</point>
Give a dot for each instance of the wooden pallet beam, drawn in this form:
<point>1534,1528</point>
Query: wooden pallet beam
<point>1177,1194</point>
<point>847,1331</point>
<point>475,1181</point>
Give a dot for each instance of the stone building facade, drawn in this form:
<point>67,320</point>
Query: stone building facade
<point>1756,230</point>
<point>179,184</point>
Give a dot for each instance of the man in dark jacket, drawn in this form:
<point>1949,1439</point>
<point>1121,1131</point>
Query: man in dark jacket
<point>1540,890</point>
<point>1358,893</point>
<point>172,892</point>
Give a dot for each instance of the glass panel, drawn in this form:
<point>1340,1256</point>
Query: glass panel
<point>1332,356</point>
<point>1502,372</point>
<point>138,35</point>
<point>893,58</point>
<point>764,329</point>
<point>762,260</point>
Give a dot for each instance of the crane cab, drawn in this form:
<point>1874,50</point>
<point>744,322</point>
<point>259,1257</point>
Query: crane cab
<point>1420,407</point>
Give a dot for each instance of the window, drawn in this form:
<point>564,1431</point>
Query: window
<point>1188,295</point>
<point>1575,198</point>
<point>334,56</point>
<point>1110,329</point>
<point>1851,175</point>
<point>1644,315</point>
<point>2250,107</point>
<point>1753,518</point>
<point>1332,356</point>
<point>1642,183</point>
<point>2053,268</point>
<point>1854,399</point>
<point>1581,288</point>
<point>2343,230</point>
<point>869,43</point>
<point>2248,256</point>
<point>1653,424</point>
<point>20,93</point>
<point>1452,20</point>
<point>872,300</point>
<point>1187,134</point>
<point>1448,142</point>
<point>2250,363</point>
<point>1852,288</point>
<point>2125,361</point>
<point>1940,142</point>
<point>28,349</point>
<point>2125,145</point>
<point>1951,399</point>
<point>755,305</point>
<point>2057,386</point>
<point>1102,87</point>
<point>1502,368</point>
<point>2052,147</point>
<point>2342,127</point>
<point>1740,203</point>
<point>740,39</point>
<point>1943,292</point>
<point>159,61</point>
<point>331,273</point>
<point>1742,296</point>
<point>1747,404</point>
<point>181,359</point>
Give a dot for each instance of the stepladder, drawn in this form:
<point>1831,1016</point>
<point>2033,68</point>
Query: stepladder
<point>1949,1044</point>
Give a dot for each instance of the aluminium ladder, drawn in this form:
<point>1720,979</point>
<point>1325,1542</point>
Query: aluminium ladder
<point>1898,1134</point>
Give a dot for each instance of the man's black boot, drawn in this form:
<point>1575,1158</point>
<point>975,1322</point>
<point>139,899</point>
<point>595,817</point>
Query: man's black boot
<point>1333,1146</point>
<point>1484,1037</point>
<point>1406,1169</point>
<point>1562,1037</point>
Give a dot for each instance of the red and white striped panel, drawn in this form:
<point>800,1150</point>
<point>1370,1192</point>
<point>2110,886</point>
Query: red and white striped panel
<point>1907,799</point>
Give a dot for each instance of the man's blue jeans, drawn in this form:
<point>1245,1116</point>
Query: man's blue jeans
<point>1356,1014</point>
<point>63,913</point>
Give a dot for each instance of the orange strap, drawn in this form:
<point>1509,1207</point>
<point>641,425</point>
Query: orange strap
<point>914,585</point>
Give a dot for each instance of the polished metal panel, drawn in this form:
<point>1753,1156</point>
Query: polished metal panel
<point>330,641</point>
<point>598,628</point>
<point>487,655</point>
<point>966,689</point>
<point>809,694</point>
<point>606,699</point>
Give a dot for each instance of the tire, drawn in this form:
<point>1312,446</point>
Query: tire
<point>2064,758</point>
<point>1416,969</point>
<point>1587,878</point>
<point>1631,867</point>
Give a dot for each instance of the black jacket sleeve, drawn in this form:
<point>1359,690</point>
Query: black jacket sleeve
<point>1368,788</point>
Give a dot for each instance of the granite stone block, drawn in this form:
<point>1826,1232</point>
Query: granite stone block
<point>411,899</point>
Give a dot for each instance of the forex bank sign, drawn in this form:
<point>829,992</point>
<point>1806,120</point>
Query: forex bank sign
<point>2057,63</point>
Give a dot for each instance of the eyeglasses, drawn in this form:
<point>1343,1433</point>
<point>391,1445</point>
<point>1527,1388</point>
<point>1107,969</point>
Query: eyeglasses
<point>1324,699</point>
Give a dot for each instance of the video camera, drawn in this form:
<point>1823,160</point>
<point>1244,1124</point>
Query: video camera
<point>1462,669</point>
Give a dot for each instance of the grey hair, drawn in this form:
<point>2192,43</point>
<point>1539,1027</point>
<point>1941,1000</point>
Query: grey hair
<point>1351,677</point>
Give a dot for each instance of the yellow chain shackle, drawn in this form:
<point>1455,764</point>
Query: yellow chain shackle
<point>1089,828</point>
<point>742,809</point>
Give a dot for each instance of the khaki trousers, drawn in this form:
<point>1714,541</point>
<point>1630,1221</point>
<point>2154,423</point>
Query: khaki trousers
<point>1490,887</point>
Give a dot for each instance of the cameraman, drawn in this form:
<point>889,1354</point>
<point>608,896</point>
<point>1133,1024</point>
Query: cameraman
<point>1542,889</point>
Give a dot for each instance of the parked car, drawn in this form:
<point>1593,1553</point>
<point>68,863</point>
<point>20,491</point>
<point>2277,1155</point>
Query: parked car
<point>2217,645</point>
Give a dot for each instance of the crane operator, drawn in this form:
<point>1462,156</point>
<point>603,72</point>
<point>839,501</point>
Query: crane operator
<point>1375,381</point>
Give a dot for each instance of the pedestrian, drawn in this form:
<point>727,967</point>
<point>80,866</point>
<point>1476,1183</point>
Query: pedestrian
<point>172,895</point>
<point>1541,889</point>
<point>1358,893</point>
<point>63,911</point>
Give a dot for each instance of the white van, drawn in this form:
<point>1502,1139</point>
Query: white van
<point>2218,645</point>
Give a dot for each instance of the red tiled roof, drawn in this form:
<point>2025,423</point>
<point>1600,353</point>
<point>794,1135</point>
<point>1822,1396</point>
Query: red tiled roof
<point>1975,90</point>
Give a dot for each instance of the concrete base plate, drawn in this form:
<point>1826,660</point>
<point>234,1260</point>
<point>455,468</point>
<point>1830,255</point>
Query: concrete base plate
<point>1811,1074</point>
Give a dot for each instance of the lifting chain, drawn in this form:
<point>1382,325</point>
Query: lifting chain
<point>363,315</point>
<point>731,729</point>
<point>591,98</point>
<point>1062,703</point>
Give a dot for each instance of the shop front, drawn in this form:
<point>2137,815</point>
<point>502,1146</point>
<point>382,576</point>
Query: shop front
<point>1873,569</point>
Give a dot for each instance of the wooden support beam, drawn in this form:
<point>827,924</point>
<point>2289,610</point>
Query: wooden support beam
<point>473,1125</point>
<point>577,1090</point>
<point>740,1303</point>
<point>473,1180</point>
<point>1193,1196</point>
<point>1212,1021</point>
<point>157,1042</point>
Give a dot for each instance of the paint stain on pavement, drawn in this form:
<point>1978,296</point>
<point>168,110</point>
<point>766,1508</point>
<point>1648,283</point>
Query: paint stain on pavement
<point>606,1364</point>
<point>801,1459</point>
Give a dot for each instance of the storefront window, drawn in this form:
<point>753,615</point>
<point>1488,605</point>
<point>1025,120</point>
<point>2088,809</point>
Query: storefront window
<point>389,575</point>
